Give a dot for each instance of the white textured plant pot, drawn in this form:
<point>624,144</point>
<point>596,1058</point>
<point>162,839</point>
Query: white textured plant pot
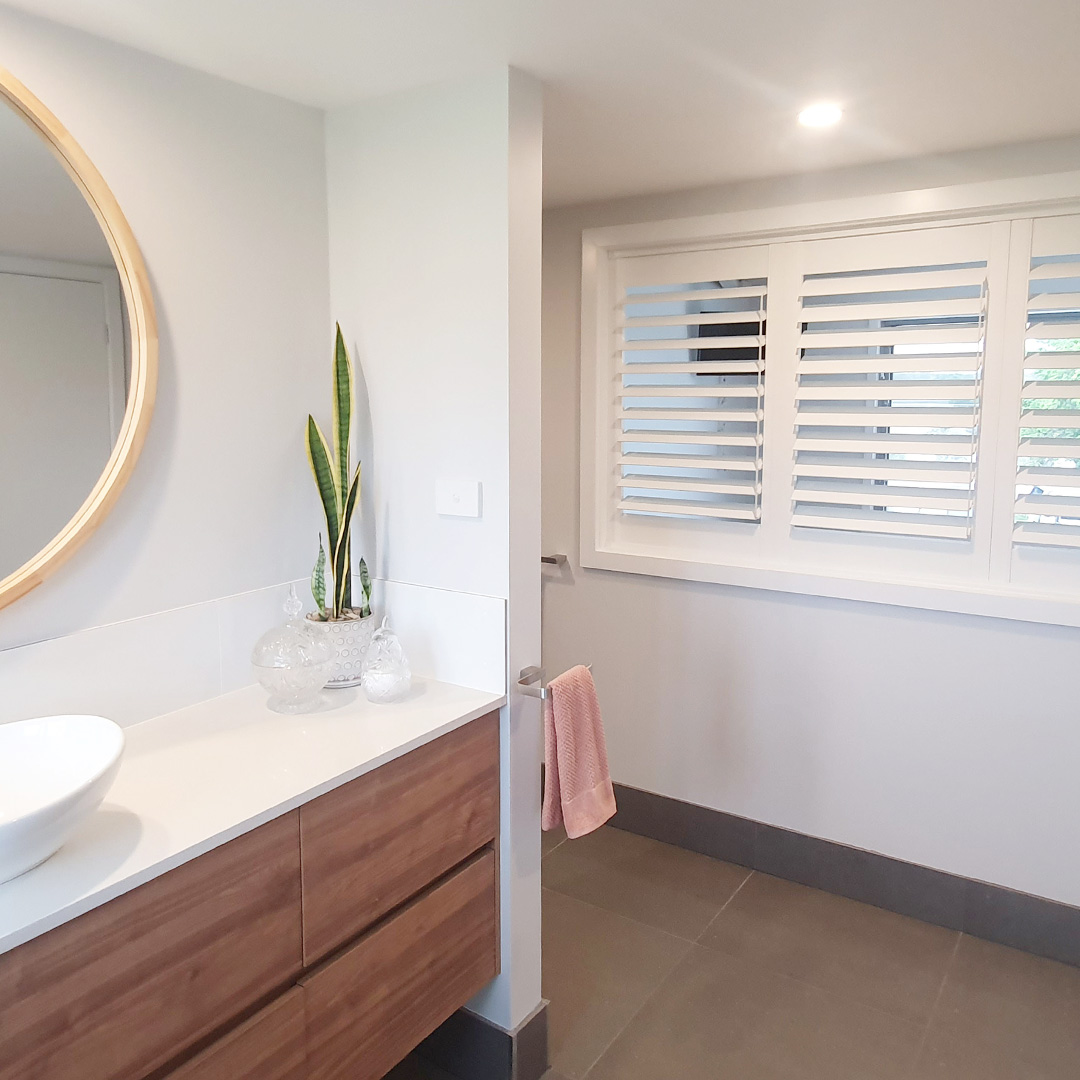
<point>350,639</point>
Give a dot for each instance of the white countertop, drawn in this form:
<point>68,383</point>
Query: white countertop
<point>196,778</point>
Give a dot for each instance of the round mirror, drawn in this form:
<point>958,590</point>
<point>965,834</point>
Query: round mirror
<point>78,347</point>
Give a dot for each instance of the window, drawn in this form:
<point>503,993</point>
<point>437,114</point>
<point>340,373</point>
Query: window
<point>886,411</point>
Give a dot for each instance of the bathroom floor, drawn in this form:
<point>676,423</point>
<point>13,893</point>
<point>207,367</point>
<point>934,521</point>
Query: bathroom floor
<point>661,964</point>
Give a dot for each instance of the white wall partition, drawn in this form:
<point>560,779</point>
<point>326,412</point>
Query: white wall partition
<point>419,256</point>
<point>945,739</point>
<point>434,251</point>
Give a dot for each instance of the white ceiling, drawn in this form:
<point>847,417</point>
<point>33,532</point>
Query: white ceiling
<point>653,95</point>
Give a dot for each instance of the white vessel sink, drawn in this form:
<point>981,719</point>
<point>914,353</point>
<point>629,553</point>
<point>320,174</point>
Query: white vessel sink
<point>54,772</point>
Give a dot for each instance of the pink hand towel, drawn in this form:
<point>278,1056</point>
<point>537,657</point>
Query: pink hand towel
<point>577,787</point>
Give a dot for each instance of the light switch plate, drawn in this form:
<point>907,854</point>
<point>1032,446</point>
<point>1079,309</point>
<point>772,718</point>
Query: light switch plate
<point>457,498</point>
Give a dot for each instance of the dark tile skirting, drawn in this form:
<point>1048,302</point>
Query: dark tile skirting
<point>472,1048</point>
<point>986,911</point>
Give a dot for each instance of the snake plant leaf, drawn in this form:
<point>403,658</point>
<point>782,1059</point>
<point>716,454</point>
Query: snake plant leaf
<point>343,404</point>
<point>343,399</point>
<point>341,551</point>
<point>365,586</point>
<point>322,468</point>
<point>318,579</point>
<point>346,592</point>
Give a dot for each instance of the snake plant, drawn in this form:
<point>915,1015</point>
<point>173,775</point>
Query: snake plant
<point>339,490</point>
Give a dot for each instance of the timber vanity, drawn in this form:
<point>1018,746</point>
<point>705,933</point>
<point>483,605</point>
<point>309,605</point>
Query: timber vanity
<point>263,897</point>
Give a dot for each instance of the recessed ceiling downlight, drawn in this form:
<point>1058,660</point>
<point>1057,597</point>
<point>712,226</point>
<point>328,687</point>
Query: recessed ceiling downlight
<point>821,115</point>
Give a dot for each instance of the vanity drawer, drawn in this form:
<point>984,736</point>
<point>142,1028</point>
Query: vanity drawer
<point>119,991</point>
<point>269,1046</point>
<point>368,1007</point>
<point>370,845</point>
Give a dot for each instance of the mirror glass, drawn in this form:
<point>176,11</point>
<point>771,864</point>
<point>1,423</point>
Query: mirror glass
<point>65,363</point>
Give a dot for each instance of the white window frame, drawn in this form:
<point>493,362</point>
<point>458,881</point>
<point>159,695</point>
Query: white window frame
<point>986,202</point>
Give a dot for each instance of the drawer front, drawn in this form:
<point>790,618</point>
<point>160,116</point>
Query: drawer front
<point>269,1046</point>
<point>370,845</point>
<point>370,1006</point>
<point>119,991</point>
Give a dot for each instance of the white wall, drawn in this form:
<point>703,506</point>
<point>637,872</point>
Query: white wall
<point>434,200</point>
<point>224,188</point>
<point>419,256</point>
<point>736,699</point>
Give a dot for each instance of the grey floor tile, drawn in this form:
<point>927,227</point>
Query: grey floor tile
<point>663,886</point>
<point>876,957</point>
<point>1013,1005</point>
<point>947,1057</point>
<point>549,841</point>
<point>718,1017</point>
<point>599,968</point>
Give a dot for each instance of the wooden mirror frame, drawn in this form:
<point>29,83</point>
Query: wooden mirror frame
<point>142,325</point>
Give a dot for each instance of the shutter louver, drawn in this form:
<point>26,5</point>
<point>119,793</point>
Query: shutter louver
<point>690,386</point>
<point>1048,457</point>
<point>889,387</point>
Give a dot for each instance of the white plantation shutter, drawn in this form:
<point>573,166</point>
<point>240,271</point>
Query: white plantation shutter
<point>888,394</point>
<point>688,387</point>
<point>885,409</point>
<point>1048,458</point>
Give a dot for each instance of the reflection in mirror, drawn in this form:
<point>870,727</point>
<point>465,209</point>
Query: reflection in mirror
<point>64,358</point>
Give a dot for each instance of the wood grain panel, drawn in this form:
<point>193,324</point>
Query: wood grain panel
<point>375,842</point>
<point>370,1006</point>
<point>269,1046</point>
<point>119,991</point>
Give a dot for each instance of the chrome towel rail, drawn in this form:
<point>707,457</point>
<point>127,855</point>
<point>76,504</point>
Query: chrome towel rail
<point>532,682</point>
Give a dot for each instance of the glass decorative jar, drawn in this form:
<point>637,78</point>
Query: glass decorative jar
<point>294,661</point>
<point>386,675</point>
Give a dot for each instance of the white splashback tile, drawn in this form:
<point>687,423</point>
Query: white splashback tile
<point>450,636</point>
<point>127,671</point>
<point>133,670</point>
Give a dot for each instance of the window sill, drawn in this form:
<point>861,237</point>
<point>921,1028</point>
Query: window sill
<point>985,600</point>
